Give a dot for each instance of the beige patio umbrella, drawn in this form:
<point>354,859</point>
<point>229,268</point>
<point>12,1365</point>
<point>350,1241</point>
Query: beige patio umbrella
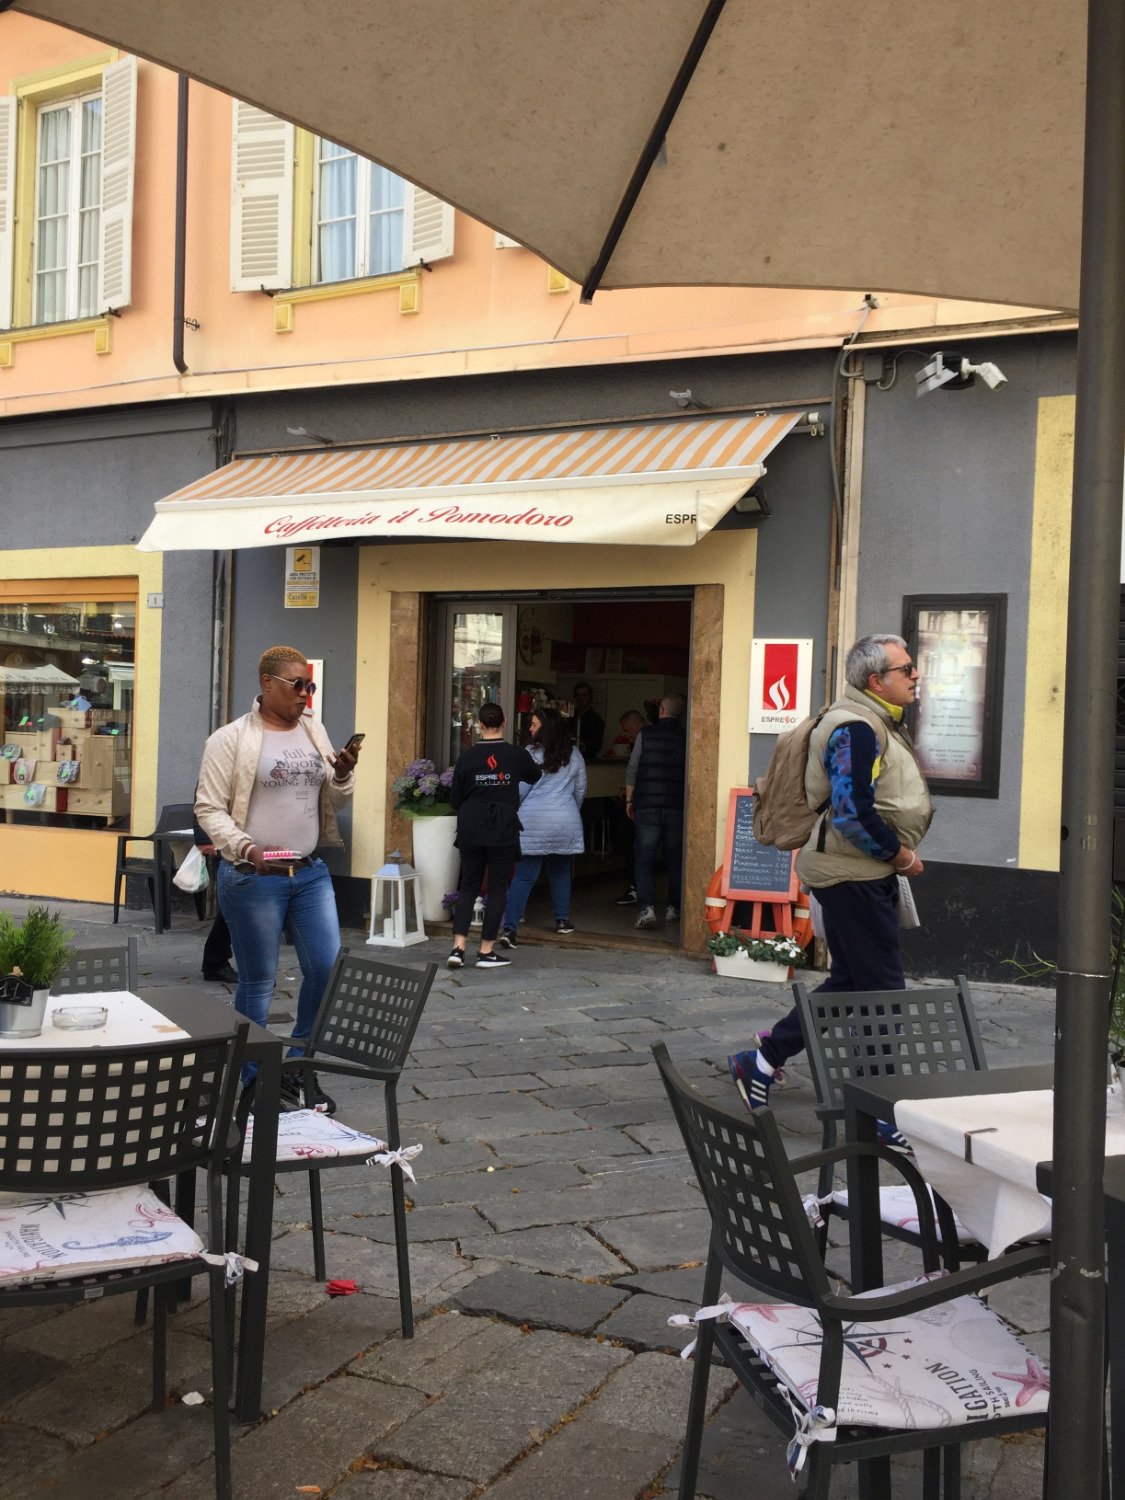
<point>866,144</point>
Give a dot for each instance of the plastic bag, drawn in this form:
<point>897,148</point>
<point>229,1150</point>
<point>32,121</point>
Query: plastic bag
<point>192,875</point>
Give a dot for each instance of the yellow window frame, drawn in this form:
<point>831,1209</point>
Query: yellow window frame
<point>33,91</point>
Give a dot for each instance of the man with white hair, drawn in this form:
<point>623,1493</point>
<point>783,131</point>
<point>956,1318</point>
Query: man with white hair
<point>876,808</point>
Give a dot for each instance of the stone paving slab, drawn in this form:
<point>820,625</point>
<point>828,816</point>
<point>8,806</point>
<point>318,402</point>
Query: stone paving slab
<point>423,1224</point>
<point>402,1484</point>
<point>658,1241</point>
<point>541,1301</point>
<point>642,1323</point>
<point>444,1350</point>
<point>476,1430</point>
<point>564,1249</point>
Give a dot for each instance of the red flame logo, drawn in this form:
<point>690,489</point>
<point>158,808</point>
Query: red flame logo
<point>492,762</point>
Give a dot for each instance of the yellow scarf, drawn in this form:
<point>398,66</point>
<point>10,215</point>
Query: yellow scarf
<point>894,709</point>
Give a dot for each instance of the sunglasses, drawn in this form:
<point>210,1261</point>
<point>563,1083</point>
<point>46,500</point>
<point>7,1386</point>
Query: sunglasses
<point>303,685</point>
<point>908,669</point>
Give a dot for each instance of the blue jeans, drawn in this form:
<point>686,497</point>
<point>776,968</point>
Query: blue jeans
<point>258,908</point>
<point>527,873</point>
<point>656,826</point>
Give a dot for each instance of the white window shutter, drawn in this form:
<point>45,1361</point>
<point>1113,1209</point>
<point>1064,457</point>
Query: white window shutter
<point>261,212</point>
<point>428,229</point>
<point>506,242</point>
<point>115,231</point>
<point>8,107</point>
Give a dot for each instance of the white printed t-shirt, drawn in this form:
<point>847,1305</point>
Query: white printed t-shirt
<point>284,808</point>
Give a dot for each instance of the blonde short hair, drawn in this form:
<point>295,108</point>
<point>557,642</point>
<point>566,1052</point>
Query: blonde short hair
<point>278,656</point>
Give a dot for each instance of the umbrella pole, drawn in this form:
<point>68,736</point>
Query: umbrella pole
<point>1078,1287</point>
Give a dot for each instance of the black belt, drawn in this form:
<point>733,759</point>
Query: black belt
<point>282,866</point>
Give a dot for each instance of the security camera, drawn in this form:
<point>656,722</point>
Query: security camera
<point>991,374</point>
<point>955,373</point>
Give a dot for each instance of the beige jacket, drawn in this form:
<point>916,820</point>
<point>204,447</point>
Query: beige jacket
<point>226,779</point>
<point>902,798</point>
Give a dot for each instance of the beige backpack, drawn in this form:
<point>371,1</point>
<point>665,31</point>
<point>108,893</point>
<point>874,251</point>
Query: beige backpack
<point>783,818</point>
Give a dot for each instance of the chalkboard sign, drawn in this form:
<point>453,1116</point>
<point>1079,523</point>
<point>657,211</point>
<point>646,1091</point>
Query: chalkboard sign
<point>753,871</point>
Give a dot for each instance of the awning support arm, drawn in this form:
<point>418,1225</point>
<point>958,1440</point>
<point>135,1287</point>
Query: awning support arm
<point>653,145</point>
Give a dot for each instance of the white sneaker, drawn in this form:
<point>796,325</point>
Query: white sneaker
<point>672,914</point>
<point>647,917</point>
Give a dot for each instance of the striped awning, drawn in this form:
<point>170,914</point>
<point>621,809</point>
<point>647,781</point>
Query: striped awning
<point>645,483</point>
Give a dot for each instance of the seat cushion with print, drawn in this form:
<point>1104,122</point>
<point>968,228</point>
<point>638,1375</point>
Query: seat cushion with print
<point>57,1235</point>
<point>305,1134</point>
<point>897,1207</point>
<point>943,1367</point>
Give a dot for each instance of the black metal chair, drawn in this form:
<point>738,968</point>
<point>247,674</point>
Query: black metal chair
<point>761,1234</point>
<point>363,1029</point>
<point>82,1135</point>
<point>873,1034</point>
<point>157,868</point>
<point>99,969</point>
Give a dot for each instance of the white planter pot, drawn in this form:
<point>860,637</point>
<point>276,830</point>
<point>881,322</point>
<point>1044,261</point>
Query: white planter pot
<point>742,966</point>
<point>436,861</point>
<point>24,1020</point>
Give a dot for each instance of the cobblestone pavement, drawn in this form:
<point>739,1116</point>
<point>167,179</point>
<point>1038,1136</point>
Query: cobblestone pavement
<point>555,1227</point>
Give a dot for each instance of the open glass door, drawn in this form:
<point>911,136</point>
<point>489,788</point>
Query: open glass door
<point>476,666</point>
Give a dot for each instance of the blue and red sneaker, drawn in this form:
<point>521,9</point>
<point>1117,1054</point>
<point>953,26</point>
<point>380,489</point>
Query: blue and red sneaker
<point>752,1083</point>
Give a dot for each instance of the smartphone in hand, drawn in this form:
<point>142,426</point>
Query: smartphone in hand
<point>354,743</point>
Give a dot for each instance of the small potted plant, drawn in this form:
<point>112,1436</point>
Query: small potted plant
<point>32,955</point>
<point>769,959</point>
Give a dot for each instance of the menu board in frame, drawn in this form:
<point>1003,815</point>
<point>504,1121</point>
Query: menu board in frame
<point>957,642</point>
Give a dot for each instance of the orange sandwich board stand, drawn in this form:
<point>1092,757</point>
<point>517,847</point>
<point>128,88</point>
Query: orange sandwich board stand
<point>755,872</point>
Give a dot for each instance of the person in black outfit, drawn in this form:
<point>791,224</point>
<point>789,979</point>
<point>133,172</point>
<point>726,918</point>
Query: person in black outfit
<point>486,796</point>
<point>587,726</point>
<point>217,951</point>
<point>654,799</point>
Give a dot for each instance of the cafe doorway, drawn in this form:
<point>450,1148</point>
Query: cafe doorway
<point>630,649</point>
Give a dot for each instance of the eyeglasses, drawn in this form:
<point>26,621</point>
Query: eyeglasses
<point>303,685</point>
<point>908,669</point>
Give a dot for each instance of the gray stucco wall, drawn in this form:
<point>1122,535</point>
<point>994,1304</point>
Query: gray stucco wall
<point>92,481</point>
<point>946,509</point>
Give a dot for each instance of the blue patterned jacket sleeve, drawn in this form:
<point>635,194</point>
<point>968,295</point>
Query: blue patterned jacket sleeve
<point>849,759</point>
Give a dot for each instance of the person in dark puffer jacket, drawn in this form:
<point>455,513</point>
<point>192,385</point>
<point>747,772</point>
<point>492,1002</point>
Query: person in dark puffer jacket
<point>654,799</point>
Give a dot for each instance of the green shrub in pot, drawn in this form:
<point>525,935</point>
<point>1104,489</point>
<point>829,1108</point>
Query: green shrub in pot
<point>36,949</point>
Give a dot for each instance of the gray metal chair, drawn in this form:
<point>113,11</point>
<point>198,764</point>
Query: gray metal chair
<point>99,969</point>
<point>761,1234</point>
<point>864,1035</point>
<point>156,869</point>
<point>363,1029</point>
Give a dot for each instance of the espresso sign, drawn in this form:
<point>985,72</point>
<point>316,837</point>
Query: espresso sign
<point>780,684</point>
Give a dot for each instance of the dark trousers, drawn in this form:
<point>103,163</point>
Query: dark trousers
<point>655,828</point>
<point>217,949</point>
<point>861,928</point>
<point>477,862</point>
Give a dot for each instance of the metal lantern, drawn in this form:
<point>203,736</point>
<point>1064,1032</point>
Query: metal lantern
<point>396,917</point>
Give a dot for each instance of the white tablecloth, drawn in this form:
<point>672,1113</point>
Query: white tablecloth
<point>130,1022</point>
<point>1005,1137</point>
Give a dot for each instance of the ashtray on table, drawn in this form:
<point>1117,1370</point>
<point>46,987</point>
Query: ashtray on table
<point>79,1017</point>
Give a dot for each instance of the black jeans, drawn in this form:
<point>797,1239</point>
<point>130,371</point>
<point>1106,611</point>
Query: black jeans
<point>477,861</point>
<point>861,927</point>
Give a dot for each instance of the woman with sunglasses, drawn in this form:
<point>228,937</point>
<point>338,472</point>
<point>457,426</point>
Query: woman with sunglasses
<point>269,787</point>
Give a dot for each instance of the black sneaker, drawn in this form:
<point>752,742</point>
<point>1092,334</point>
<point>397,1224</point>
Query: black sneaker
<point>507,938</point>
<point>564,925</point>
<point>456,959</point>
<point>628,899</point>
<point>294,1090</point>
<point>493,960</point>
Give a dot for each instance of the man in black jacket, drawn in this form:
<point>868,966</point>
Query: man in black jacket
<point>654,799</point>
<point>486,795</point>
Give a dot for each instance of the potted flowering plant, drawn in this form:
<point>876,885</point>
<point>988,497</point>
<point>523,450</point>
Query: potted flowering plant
<point>769,959</point>
<point>422,792</point>
<point>422,795</point>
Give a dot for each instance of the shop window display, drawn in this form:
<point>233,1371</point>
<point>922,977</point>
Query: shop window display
<point>66,693</point>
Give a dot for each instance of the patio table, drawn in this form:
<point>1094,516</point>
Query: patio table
<point>1001,1124</point>
<point>149,1016</point>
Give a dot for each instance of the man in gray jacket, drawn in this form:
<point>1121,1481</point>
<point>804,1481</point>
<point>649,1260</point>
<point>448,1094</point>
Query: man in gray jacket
<point>877,808</point>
